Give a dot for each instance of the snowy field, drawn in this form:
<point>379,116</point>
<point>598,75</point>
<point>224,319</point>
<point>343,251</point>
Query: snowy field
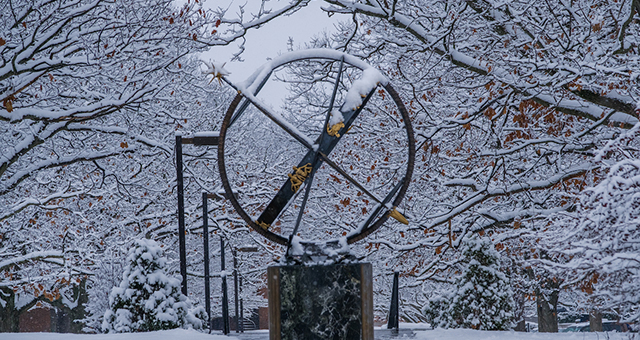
<point>438,334</point>
<point>469,334</point>
<point>173,334</point>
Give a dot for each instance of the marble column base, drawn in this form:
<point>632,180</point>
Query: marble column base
<point>321,302</point>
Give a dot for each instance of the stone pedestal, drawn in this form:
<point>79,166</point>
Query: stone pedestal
<point>321,302</point>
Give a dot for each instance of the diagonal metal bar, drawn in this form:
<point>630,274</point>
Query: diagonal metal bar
<point>297,135</point>
<point>304,202</point>
<point>246,102</point>
<point>314,168</point>
<point>285,193</point>
<point>309,181</point>
<point>332,101</point>
<point>335,88</point>
<point>337,168</point>
<point>382,204</point>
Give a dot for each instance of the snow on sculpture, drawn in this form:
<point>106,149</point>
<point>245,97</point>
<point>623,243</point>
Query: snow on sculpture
<point>351,95</point>
<point>217,70</point>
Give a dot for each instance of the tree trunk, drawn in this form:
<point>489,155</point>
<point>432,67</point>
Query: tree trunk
<point>9,316</point>
<point>595,321</point>
<point>548,308</point>
<point>62,318</point>
<point>66,318</point>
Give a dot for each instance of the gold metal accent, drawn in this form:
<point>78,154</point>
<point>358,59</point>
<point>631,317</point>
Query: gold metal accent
<point>263,225</point>
<point>218,74</point>
<point>333,130</point>
<point>219,77</point>
<point>398,216</point>
<point>299,175</point>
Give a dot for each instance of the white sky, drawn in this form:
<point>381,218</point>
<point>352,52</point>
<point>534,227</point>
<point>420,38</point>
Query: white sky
<point>271,39</point>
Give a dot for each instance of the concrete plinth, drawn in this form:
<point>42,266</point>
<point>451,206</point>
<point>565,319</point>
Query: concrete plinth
<point>321,302</point>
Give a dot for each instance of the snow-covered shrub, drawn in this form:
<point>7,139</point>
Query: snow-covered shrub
<point>147,298</point>
<point>482,297</point>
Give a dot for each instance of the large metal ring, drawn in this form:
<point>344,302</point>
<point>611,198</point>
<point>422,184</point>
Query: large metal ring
<point>403,185</point>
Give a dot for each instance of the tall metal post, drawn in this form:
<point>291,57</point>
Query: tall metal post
<point>241,317</point>
<point>394,315</point>
<point>239,285</point>
<point>181,230</point>
<point>235,286</point>
<point>225,298</point>
<point>241,308</point>
<point>205,231</point>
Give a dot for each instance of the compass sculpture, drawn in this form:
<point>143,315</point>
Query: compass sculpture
<point>325,172</point>
<point>345,127</point>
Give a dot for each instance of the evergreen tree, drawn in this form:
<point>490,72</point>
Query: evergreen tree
<point>482,298</point>
<point>147,299</point>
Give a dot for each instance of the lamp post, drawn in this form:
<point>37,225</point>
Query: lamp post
<point>241,308</point>
<point>237,282</point>
<point>235,287</point>
<point>394,309</point>
<point>205,231</point>
<point>181,230</point>
<point>201,138</point>
<point>225,298</point>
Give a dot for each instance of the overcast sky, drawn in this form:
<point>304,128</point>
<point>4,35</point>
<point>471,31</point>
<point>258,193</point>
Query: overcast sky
<point>270,40</point>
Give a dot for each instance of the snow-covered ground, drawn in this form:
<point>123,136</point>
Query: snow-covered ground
<point>438,334</point>
<point>469,334</point>
<point>174,334</point>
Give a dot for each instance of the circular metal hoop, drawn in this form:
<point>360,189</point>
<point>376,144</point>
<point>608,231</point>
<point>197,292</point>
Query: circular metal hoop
<point>379,218</point>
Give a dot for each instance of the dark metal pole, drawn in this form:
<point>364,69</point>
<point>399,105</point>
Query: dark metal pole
<point>225,298</point>
<point>235,286</point>
<point>241,308</point>
<point>241,317</point>
<point>205,231</point>
<point>181,231</point>
<point>394,314</point>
